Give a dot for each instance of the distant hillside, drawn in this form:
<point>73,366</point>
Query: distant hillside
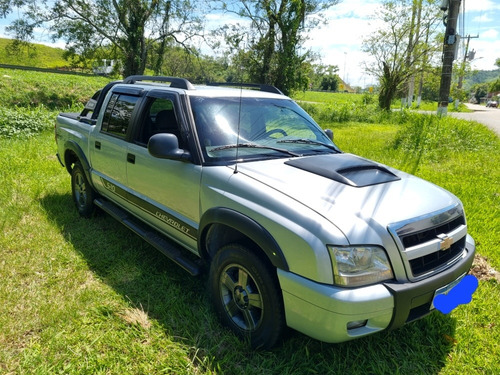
<point>29,89</point>
<point>37,55</point>
<point>481,76</point>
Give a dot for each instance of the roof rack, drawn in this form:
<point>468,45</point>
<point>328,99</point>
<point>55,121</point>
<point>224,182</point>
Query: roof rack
<point>178,83</point>
<point>265,88</point>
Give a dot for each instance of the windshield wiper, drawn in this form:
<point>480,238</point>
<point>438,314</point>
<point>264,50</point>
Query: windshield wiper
<point>310,142</point>
<point>254,145</point>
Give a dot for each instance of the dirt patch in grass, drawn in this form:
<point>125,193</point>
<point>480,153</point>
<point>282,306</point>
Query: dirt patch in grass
<point>482,269</point>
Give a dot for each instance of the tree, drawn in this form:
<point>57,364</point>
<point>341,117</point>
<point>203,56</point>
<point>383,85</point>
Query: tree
<point>495,86</point>
<point>132,27</point>
<point>480,91</point>
<point>178,62</point>
<point>324,77</point>
<point>273,40</point>
<point>398,47</point>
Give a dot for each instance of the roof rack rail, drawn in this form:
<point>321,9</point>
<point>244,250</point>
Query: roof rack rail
<point>178,83</point>
<point>265,88</point>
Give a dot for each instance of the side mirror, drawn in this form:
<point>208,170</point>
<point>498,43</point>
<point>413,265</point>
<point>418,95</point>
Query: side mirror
<point>166,146</point>
<point>329,134</point>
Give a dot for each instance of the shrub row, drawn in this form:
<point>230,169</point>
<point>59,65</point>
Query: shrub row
<point>18,122</point>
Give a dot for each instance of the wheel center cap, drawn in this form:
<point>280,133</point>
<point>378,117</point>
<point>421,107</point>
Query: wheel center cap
<point>240,297</point>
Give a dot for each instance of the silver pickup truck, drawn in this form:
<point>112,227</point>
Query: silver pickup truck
<point>242,181</point>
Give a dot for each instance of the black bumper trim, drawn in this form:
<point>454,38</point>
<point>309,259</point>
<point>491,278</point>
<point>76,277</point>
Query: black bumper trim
<point>415,296</point>
<point>59,159</point>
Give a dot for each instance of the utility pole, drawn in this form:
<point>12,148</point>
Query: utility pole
<point>449,48</point>
<point>466,56</point>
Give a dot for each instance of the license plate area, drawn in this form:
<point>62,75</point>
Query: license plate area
<point>445,289</point>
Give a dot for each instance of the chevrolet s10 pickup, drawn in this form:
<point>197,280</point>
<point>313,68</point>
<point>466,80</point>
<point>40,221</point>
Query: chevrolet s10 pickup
<point>243,183</point>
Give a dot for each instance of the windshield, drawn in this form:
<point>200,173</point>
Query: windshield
<point>256,128</point>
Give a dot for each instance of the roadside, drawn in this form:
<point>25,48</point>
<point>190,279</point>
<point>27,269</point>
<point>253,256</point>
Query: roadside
<point>487,116</point>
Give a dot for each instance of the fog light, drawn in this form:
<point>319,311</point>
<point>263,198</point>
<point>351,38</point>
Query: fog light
<point>356,324</point>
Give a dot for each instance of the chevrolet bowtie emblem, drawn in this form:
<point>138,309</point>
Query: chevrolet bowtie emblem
<point>445,243</point>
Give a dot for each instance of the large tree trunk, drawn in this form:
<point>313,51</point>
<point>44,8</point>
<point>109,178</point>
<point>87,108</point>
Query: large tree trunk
<point>389,85</point>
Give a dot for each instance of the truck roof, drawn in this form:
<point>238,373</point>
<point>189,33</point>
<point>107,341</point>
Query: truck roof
<point>224,89</point>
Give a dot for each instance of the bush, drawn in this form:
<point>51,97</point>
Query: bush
<point>342,112</point>
<point>24,123</point>
<point>435,138</point>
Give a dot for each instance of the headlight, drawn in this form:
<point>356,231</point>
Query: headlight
<point>356,266</point>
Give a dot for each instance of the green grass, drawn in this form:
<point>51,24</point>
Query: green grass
<point>55,91</point>
<point>328,97</point>
<point>431,106</point>
<point>88,297</point>
<point>356,107</point>
<point>37,55</point>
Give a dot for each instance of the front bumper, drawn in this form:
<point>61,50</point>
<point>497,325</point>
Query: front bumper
<point>325,312</point>
<point>413,300</point>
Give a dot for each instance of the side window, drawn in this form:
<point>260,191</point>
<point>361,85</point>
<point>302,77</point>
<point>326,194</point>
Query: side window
<point>117,115</point>
<point>160,118</point>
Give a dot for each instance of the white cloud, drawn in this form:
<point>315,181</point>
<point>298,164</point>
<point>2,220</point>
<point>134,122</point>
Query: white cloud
<point>482,19</point>
<point>339,43</point>
<point>490,34</point>
<point>482,5</point>
<point>355,9</point>
<point>486,54</point>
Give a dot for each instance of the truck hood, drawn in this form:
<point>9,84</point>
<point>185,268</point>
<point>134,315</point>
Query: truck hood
<point>358,196</point>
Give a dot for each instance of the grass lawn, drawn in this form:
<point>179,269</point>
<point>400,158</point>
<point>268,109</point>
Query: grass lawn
<point>35,55</point>
<point>353,100</point>
<point>88,297</point>
<point>328,97</point>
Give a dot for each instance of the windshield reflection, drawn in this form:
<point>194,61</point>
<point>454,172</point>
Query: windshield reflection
<point>272,123</point>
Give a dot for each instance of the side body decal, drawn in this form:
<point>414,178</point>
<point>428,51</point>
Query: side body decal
<point>151,209</point>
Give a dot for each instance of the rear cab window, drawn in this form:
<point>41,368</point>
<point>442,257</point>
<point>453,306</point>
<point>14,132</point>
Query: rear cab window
<point>118,114</point>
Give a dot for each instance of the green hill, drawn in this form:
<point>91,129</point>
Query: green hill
<point>36,55</point>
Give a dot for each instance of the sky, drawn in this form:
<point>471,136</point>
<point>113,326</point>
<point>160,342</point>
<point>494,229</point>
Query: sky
<point>349,22</point>
<point>339,42</point>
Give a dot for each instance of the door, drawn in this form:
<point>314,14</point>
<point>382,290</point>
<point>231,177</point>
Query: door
<point>108,146</point>
<point>166,191</point>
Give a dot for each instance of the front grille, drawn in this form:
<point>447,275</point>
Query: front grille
<point>416,238</point>
<point>427,263</point>
<point>423,242</point>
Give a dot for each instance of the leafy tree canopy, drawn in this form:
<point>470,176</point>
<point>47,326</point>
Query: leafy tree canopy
<point>402,46</point>
<point>131,27</point>
<point>270,44</point>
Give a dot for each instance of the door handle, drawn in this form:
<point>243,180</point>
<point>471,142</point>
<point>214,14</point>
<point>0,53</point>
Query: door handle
<point>98,145</point>
<point>131,158</point>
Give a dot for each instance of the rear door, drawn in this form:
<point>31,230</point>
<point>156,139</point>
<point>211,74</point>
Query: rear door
<point>108,143</point>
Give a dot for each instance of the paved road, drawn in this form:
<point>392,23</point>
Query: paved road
<point>487,116</point>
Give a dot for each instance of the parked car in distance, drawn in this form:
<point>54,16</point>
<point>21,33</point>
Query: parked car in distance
<point>492,104</point>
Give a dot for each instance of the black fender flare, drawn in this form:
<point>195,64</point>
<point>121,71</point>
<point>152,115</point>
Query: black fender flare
<point>77,150</point>
<point>248,227</point>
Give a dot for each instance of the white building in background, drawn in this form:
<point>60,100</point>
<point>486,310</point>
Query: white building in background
<point>103,67</point>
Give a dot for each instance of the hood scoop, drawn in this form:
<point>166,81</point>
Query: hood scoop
<point>345,168</point>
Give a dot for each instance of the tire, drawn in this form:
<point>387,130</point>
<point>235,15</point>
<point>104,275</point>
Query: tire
<point>246,295</point>
<point>83,194</point>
